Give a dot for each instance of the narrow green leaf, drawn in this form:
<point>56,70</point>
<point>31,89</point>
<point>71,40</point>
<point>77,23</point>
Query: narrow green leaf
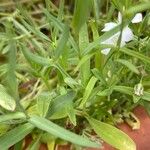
<point>6,101</point>
<point>21,27</point>
<point>35,30</point>
<point>57,23</point>
<point>135,54</point>
<point>83,61</point>
<point>53,19</point>
<point>112,135</point>
<point>130,91</point>
<point>71,113</point>
<point>124,89</point>
<point>105,92</point>
<point>71,82</point>
<point>88,91</point>
<point>11,79</point>
<point>60,132</point>
<point>35,58</point>
<point>62,42</point>
<point>129,65</point>
<point>83,43</point>
<point>15,135</point>
<point>43,103</point>
<point>61,10</point>
<point>98,55</point>
<point>16,115</point>
<point>59,105</point>
<point>99,75</point>
<point>18,146</point>
<point>138,8</point>
<point>81,13</point>
<point>96,9</point>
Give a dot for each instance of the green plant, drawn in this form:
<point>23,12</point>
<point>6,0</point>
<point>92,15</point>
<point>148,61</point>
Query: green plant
<point>54,80</point>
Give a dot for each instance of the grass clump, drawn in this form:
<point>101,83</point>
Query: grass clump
<point>70,67</point>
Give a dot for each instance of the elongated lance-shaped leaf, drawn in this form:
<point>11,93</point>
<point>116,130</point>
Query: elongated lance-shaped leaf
<point>59,105</point>
<point>6,101</point>
<point>11,77</point>
<point>95,34</point>
<point>62,42</point>
<point>83,61</point>
<point>60,132</point>
<point>88,91</point>
<point>112,135</point>
<point>135,54</point>
<point>130,91</point>
<point>43,103</point>
<point>59,25</point>
<point>35,30</point>
<point>129,65</point>
<point>33,58</point>
<point>11,116</point>
<point>83,43</point>
<point>30,24</point>
<point>15,135</point>
<point>138,8</point>
<point>71,113</point>
<point>81,13</point>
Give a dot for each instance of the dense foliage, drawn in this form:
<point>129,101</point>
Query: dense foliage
<point>57,81</point>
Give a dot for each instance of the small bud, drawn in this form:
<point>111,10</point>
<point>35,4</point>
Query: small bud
<point>138,89</point>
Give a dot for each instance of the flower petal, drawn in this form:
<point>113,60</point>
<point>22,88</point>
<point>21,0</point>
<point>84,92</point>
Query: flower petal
<point>127,35</point>
<point>109,26</point>
<point>112,40</point>
<point>138,18</point>
<point>105,51</point>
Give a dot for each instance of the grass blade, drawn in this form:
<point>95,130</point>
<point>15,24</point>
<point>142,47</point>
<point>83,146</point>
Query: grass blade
<point>88,91</point>
<point>60,132</point>
<point>138,8</point>
<point>58,107</point>
<point>81,13</point>
<point>83,43</point>
<point>15,135</point>
<point>16,115</point>
<point>128,65</point>
<point>33,58</point>
<point>130,91</point>
<point>135,54</point>
<point>11,77</point>
<point>62,42</point>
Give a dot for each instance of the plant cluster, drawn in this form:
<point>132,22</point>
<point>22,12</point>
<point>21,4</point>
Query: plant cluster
<point>68,68</point>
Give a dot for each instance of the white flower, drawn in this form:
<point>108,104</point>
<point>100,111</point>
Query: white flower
<point>127,34</point>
